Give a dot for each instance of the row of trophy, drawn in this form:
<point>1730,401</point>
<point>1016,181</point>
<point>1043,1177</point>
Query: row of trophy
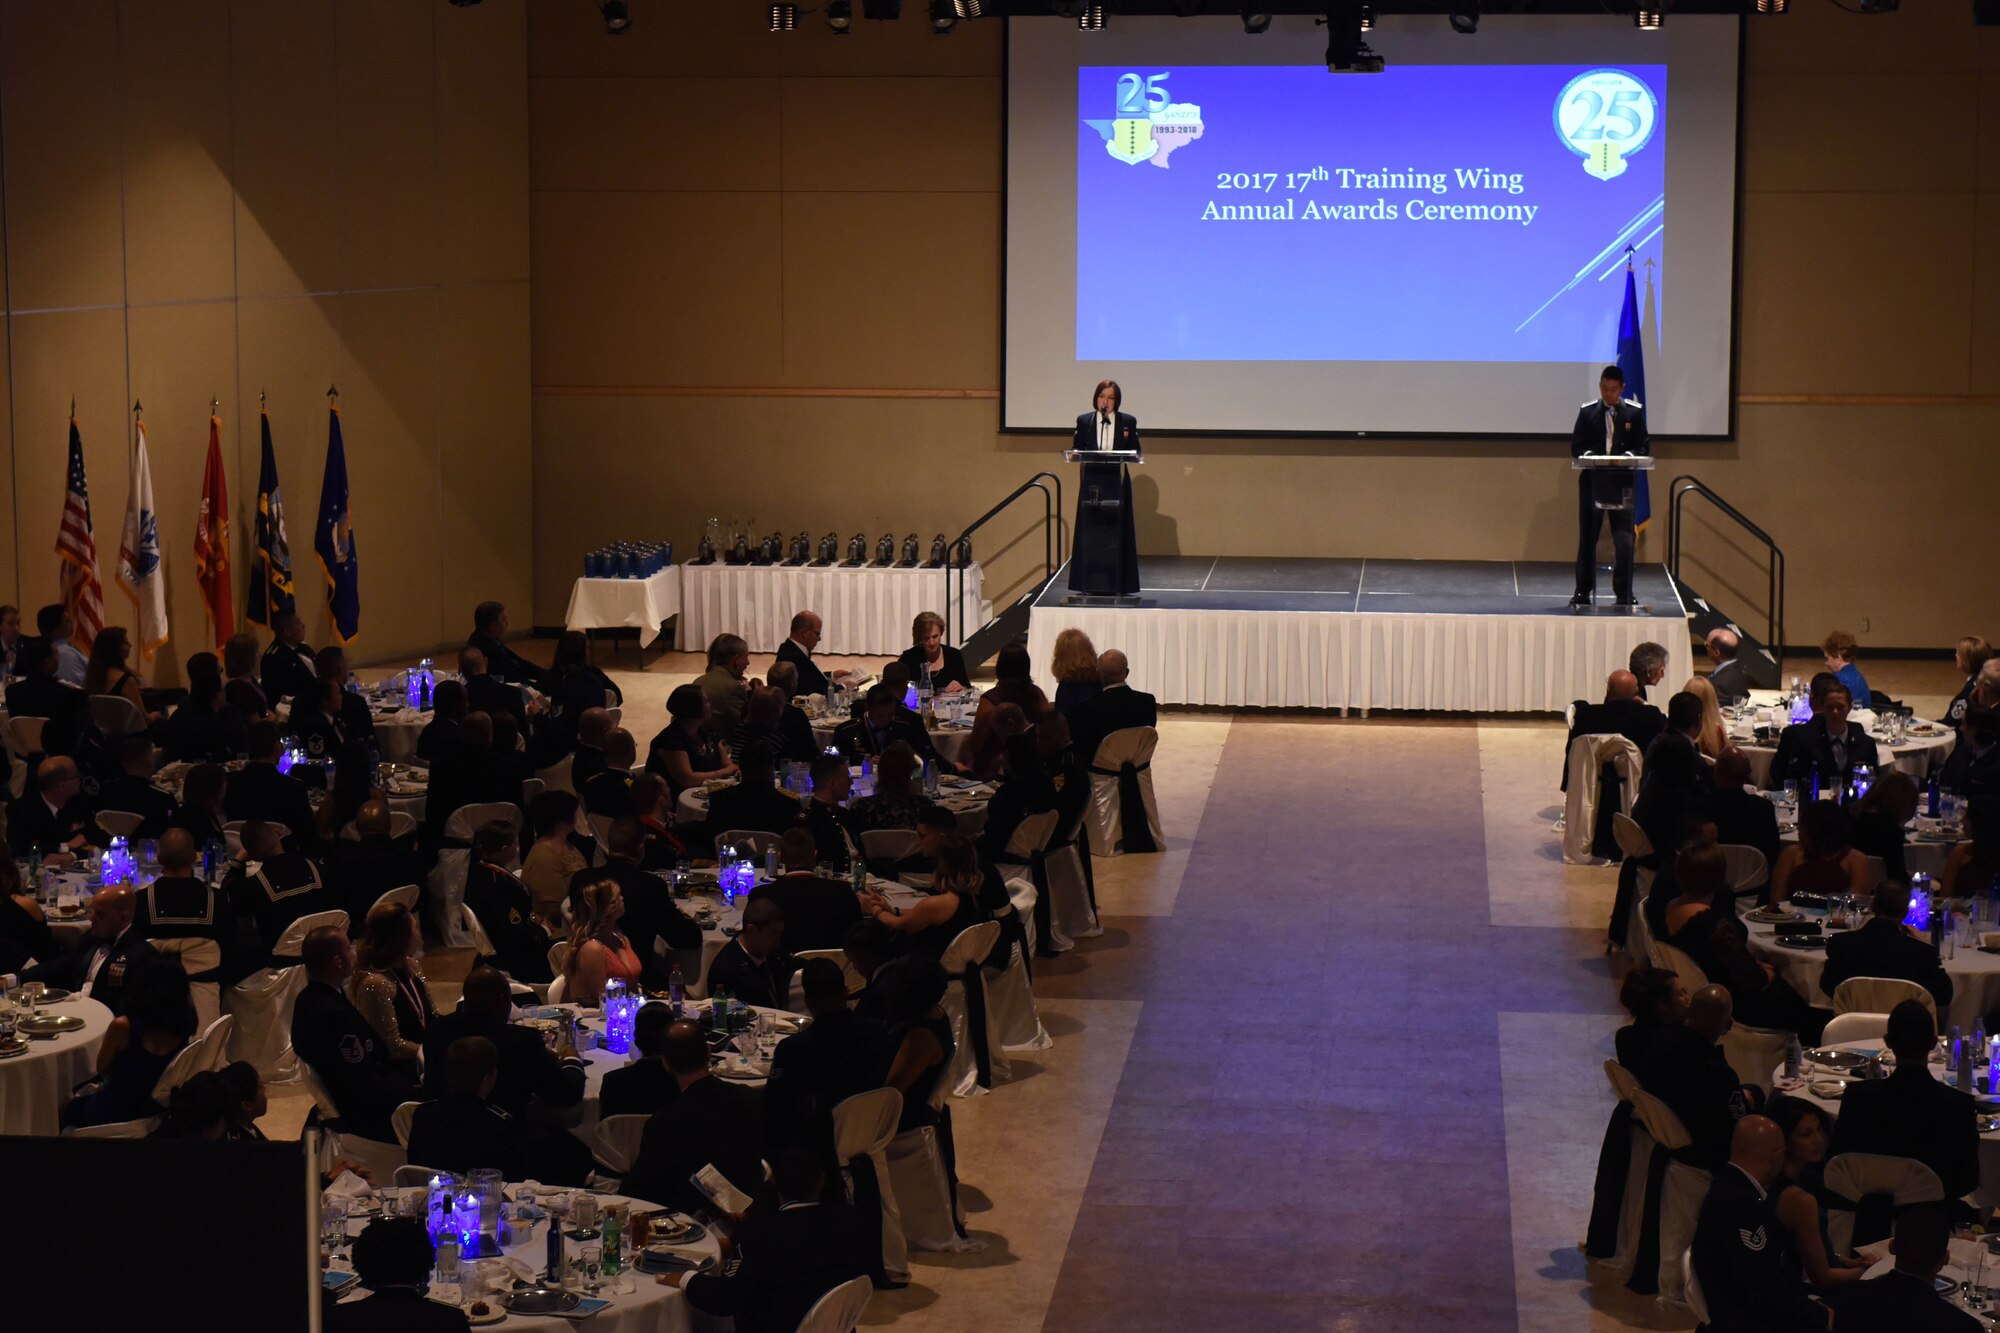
<point>742,548</point>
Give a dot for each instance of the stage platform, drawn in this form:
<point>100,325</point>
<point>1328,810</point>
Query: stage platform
<point>1445,635</point>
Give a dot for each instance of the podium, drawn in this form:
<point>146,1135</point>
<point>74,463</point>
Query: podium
<point>1613,492</point>
<point>1104,548</point>
<point>1613,477</point>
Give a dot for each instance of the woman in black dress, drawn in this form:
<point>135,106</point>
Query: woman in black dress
<point>913,988</point>
<point>952,908</point>
<point>946,663</point>
<point>686,752</point>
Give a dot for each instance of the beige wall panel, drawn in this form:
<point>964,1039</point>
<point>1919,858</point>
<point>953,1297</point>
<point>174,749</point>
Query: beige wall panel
<point>565,38</point>
<point>482,126</point>
<point>901,314</point>
<point>1986,135</point>
<point>934,135</point>
<point>59,112</point>
<point>656,288</point>
<point>387,207</point>
<point>183,357</point>
<point>9,571</point>
<point>1812,130</point>
<point>905,46</point>
<point>1814,321</point>
<point>1825,39</point>
<point>1985,275</point>
<point>57,356</point>
<point>655,134</point>
<point>485,454</point>
<point>178,200</point>
<point>388,418</point>
<point>286,136</point>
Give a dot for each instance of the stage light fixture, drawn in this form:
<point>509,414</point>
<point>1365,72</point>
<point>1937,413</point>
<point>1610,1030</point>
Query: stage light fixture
<point>968,9</point>
<point>1774,6</point>
<point>1467,24</point>
<point>1346,52</point>
<point>1094,18</point>
<point>1367,18</point>
<point>1255,21</point>
<point>943,20</point>
<point>784,18</point>
<point>617,16</point>
<point>840,16</point>
<point>1648,19</point>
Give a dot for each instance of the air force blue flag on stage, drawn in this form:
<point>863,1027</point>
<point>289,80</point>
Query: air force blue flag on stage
<point>333,536</point>
<point>1632,364</point>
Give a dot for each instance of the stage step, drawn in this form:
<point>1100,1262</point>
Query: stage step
<point>1760,664</point>
<point>1010,626</point>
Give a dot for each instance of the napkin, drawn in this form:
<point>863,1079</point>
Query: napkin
<point>495,1272</point>
<point>347,1185</point>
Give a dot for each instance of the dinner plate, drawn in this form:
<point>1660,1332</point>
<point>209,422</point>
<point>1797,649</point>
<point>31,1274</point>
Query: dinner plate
<point>494,1314</point>
<point>1835,1057</point>
<point>1772,915</point>
<point>1805,945</point>
<point>48,1025</point>
<point>12,1049</point>
<point>55,995</point>
<point>540,1300</point>
<point>692,1232</point>
<point>1827,1089</point>
<point>1987,1122</point>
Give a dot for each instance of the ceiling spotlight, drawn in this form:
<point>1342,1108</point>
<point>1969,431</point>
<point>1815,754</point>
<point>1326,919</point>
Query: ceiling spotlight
<point>943,19</point>
<point>1254,21</point>
<point>1465,23</point>
<point>1648,19</point>
<point>968,9</point>
<point>784,18</point>
<point>1346,52</point>
<point>1092,19</point>
<point>1367,18</point>
<point>617,17</point>
<point>1773,6</point>
<point>840,16</point>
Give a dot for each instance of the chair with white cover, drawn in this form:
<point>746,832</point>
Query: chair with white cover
<point>404,896</point>
<point>615,1141</point>
<point>558,957</point>
<point>1010,998</point>
<point>1638,928</point>
<point>1027,849</point>
<point>1631,839</point>
<point>1588,754</point>
<point>530,789</point>
<point>382,1160</point>
<point>926,1190</point>
<point>1843,1028</point>
<point>754,843</point>
<point>600,827</point>
<point>1744,868</point>
<point>1753,1053</point>
<point>977,1060</point>
<point>1681,1192</point>
<point>558,989</point>
<point>855,981</point>
<point>206,1052</point>
<point>119,823</point>
<point>24,741</point>
<point>1676,961</point>
<point>1023,894</point>
<point>863,1126</point>
<point>1632,1201</point>
<point>447,878</point>
<point>1879,995</point>
<point>117,1129</point>
<point>115,715</point>
<point>1691,1295</point>
<point>556,777</point>
<point>400,1120</point>
<point>468,921</point>
<point>262,1003</point>
<point>840,1309</point>
<point>1852,1177</point>
<point>1875,871</point>
<point>232,834</point>
<point>1121,772</point>
<point>198,956</point>
<point>888,844</point>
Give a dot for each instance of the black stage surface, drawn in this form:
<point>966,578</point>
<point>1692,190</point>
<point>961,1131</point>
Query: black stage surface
<point>1402,587</point>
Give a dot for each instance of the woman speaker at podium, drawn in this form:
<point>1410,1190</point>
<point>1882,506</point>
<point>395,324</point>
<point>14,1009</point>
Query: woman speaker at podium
<point>1104,550</point>
<point>1104,426</point>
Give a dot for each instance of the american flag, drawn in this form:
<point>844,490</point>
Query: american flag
<point>82,591</point>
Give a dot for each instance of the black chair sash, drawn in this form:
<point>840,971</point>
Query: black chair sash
<point>868,1207</point>
<point>1607,1199</point>
<point>1135,826</point>
<point>1645,1279</point>
<point>1874,1215</point>
<point>974,982</point>
<point>949,1148</point>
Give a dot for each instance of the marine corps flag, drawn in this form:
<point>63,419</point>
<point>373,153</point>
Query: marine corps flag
<point>140,571</point>
<point>271,572</point>
<point>211,541</point>
<point>333,534</point>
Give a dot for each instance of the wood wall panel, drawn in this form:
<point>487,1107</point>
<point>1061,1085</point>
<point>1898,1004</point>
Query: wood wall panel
<point>485,441</point>
<point>1860,127</point>
<point>482,126</point>
<point>387,203</point>
<point>179,233</point>
<point>681,41</point>
<point>1985,281</point>
<point>286,141</point>
<point>933,135</point>
<point>669,134</point>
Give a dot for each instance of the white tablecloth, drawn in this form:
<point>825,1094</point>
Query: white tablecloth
<point>1915,755</point>
<point>865,611</point>
<point>641,604</point>
<point>35,1084</point>
<point>1975,976</point>
<point>1989,1144</point>
<point>396,734</point>
<point>953,742</point>
<point>692,808</point>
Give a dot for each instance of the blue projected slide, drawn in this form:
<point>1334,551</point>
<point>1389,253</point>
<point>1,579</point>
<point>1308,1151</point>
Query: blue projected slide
<point>1430,213</point>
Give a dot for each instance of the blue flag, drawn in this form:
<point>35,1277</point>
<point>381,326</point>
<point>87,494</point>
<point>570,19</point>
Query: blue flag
<point>1632,363</point>
<point>271,579</point>
<point>333,538</point>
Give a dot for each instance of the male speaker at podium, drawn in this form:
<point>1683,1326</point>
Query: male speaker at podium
<point>1104,549</point>
<point>1613,424</point>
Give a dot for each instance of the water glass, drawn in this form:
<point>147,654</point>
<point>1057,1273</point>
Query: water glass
<point>1792,792</point>
<point>593,1266</point>
<point>333,1222</point>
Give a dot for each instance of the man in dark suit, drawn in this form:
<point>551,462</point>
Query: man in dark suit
<point>1727,677</point>
<point>1739,1250</point>
<point>393,1256</point>
<point>354,717</point>
<point>1116,708</point>
<point>360,870</point>
<point>1611,424</point>
<point>289,667</point>
<point>271,887</point>
<point>331,1036</point>
<point>1827,744</point>
<point>1742,818</point>
<point>754,967</point>
<point>645,1085</point>
<point>794,727</point>
<point>710,1122</point>
<point>501,903</point>
<point>841,1054</point>
<point>489,632</point>
<point>1623,713</point>
<point>817,911</point>
<point>478,774</point>
<point>106,961</point>
<point>1884,947</point>
<point>39,693</point>
<point>445,732</point>
<point>487,693</point>
<point>1973,771</point>
<point>882,723</point>
<point>754,803</point>
<point>1910,1113</point>
<point>787,1256</point>
<point>1906,1297</point>
<point>133,791</point>
<point>463,1128</point>
<point>1687,1070</point>
<point>52,814</point>
<point>608,792</point>
<point>798,651</point>
<point>832,827</point>
<point>179,906</point>
<point>260,791</point>
<point>652,922</point>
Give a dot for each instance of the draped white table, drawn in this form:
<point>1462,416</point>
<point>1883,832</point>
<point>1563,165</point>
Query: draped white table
<point>1989,1144</point>
<point>1975,975</point>
<point>865,610</point>
<point>1916,755</point>
<point>642,604</point>
<point>952,740</point>
<point>35,1084</point>
<point>969,804</point>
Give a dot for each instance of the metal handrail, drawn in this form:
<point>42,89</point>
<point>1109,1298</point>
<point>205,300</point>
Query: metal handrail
<point>1051,545</point>
<point>1775,603</point>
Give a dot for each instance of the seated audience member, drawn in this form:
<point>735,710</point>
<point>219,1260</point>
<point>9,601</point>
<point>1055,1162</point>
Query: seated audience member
<point>651,921</point>
<point>1973,868</point>
<point>1910,1113</point>
<point>709,1122</point>
<point>271,887</point>
<point>786,1258</point>
<point>840,1055</point>
<point>870,947</point>
<point>1839,650</point>
<point>158,1019</point>
<point>489,632</point>
<point>553,860</point>
<point>913,990</point>
<point>388,986</point>
<point>929,652</point>
<point>106,961</point>
<point>259,791</point>
<point>1800,1203</point>
<point>762,712</point>
<point>445,732</point>
<point>202,809</point>
<point>898,802</point>
<point>607,793</point>
<point>755,968</point>
<point>593,727</point>
<point>340,1045</point>
<point>197,1110</point>
<point>289,667</point>
<point>481,771</point>
<point>362,869</point>
<point>353,714</point>
<point>686,751</point>
<point>1656,1000</point>
<point>393,1256</point>
<point>1727,677</point>
<point>1905,1298</point>
<point>24,927</point>
<point>754,804</point>
<point>723,684</point>
<point>133,792</point>
<point>952,907</point>
<point>1742,817</point>
<point>315,723</point>
<point>572,662</point>
<point>1707,732</point>
<point>796,652</point>
<point>799,743</point>
<point>817,912</point>
<point>1824,859</point>
<point>1024,787</point>
<point>1973,770</point>
<point>58,630</point>
<point>110,670</point>
<point>500,901</point>
<point>487,693</point>
<point>1826,747</point>
<point>1877,820</point>
<point>1118,708</point>
<point>204,729</point>
<point>353,786</point>
<point>1971,655</point>
<point>1687,1070</point>
<point>1701,923</point>
<point>1623,713</point>
<point>665,848</point>
<point>41,692</point>
<point>645,1085</point>
<point>883,722</point>
<point>1074,665</point>
<point>11,641</point>
<point>242,691</point>
<point>1746,1277</point>
<point>462,1129</point>
<point>1014,685</point>
<point>599,950</point>
<point>538,1087</point>
<point>1648,664</point>
<point>53,816</point>
<point>245,1100</point>
<point>179,906</point>
<point>832,826</point>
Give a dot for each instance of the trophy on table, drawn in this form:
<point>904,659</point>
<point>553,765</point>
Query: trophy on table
<point>829,549</point>
<point>739,554</point>
<point>857,549</point>
<point>938,549</point>
<point>885,550</point>
<point>965,552</point>
<point>909,560</point>
<point>710,544</point>
<point>800,552</point>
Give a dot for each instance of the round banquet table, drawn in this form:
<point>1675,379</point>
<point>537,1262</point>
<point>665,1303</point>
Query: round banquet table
<point>1924,850</point>
<point>597,1061</point>
<point>1975,975</point>
<point>969,806</point>
<point>1918,755</point>
<point>35,1084</point>
<point>952,740</point>
<point>652,1308</point>
<point>396,733</point>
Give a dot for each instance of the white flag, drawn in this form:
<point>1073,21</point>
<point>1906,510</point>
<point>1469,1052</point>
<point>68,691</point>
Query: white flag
<point>140,572</point>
